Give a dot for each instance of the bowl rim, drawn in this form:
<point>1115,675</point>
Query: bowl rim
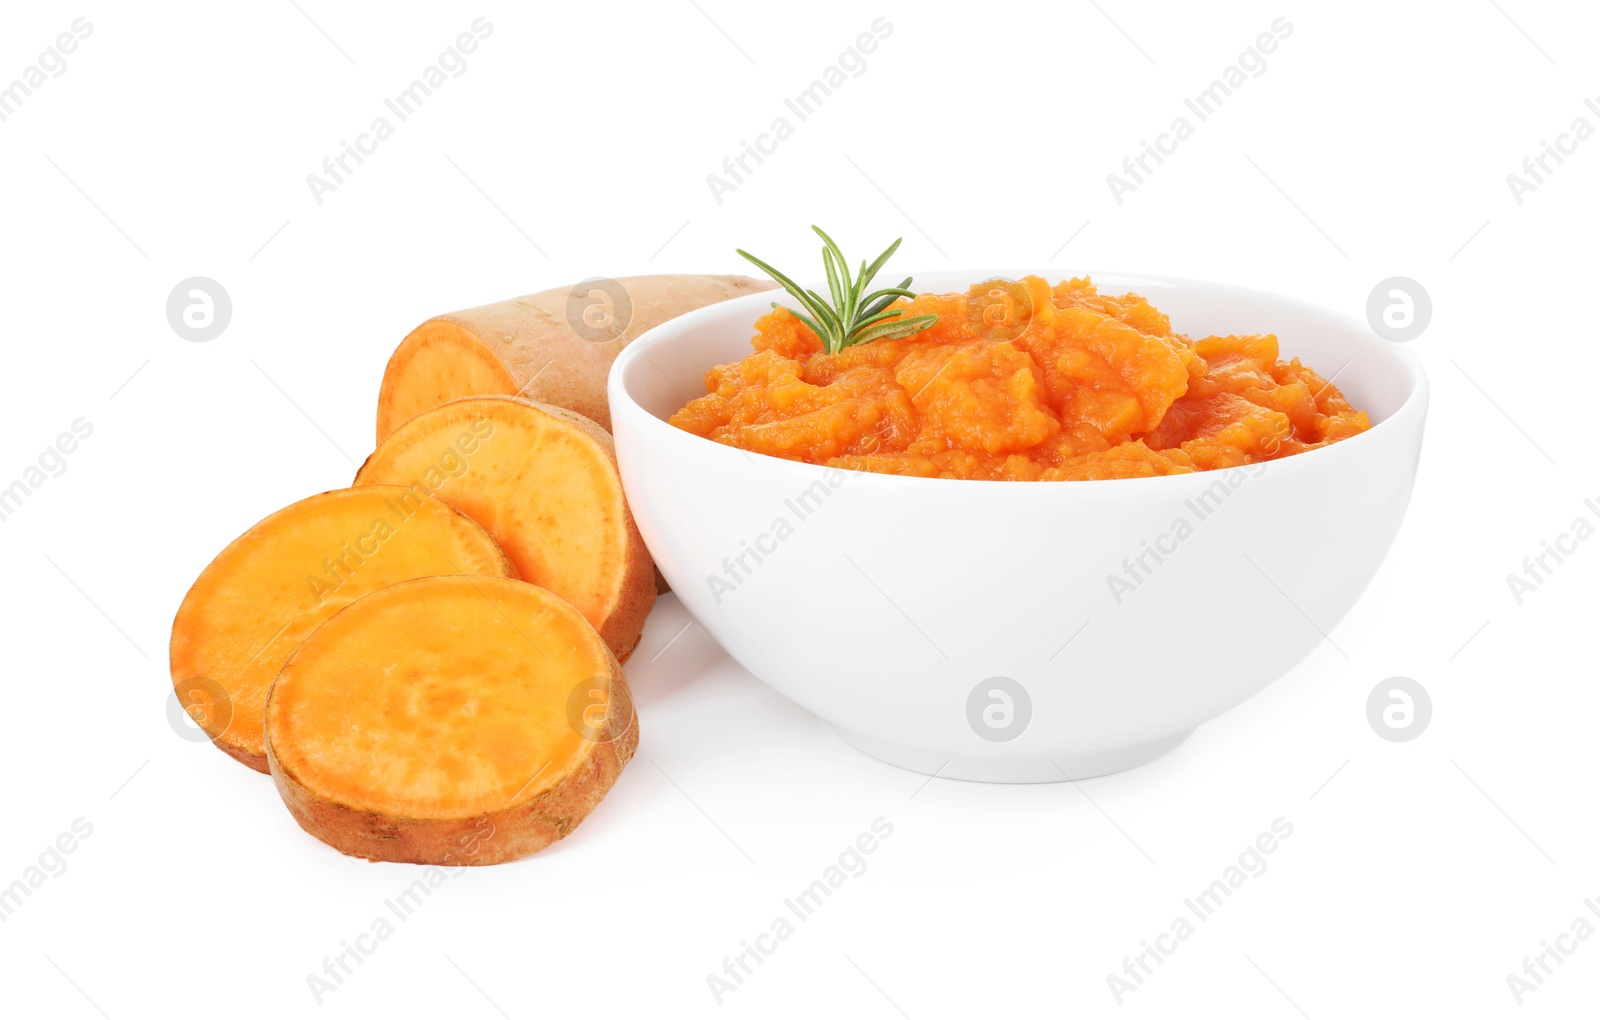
<point>623,404</point>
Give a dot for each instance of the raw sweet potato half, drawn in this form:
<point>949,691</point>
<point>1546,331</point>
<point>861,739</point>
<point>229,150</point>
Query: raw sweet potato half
<point>450,721</point>
<point>272,585</point>
<point>555,346</point>
<point>543,481</point>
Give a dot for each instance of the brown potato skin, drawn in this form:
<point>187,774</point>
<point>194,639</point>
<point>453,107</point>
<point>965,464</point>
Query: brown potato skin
<point>534,341</point>
<point>255,761</point>
<point>493,838</point>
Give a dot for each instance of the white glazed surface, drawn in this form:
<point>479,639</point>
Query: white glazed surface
<point>893,598</point>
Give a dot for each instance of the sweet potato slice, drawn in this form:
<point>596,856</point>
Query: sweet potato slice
<point>544,482</point>
<point>555,347</point>
<point>449,721</point>
<point>272,585</point>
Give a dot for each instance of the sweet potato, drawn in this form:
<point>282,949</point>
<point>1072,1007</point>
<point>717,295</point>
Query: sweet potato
<point>449,721</point>
<point>554,347</point>
<point>544,482</point>
<point>272,585</point>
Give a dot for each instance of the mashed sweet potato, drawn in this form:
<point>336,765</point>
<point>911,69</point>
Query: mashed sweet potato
<point>1019,381</point>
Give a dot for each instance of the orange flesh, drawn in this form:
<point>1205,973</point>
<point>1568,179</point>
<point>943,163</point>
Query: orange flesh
<point>539,484</point>
<point>438,361</point>
<point>261,596</point>
<point>1019,381</point>
<point>441,698</point>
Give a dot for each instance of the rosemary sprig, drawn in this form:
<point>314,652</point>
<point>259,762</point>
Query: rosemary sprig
<point>854,315</point>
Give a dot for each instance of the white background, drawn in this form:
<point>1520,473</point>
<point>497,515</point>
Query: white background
<point>1377,143</point>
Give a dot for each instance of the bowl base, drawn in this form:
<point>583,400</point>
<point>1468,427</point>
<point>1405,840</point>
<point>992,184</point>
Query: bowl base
<point>1060,768</point>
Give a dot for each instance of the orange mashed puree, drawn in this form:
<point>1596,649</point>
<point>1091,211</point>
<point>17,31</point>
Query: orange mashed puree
<point>1020,381</point>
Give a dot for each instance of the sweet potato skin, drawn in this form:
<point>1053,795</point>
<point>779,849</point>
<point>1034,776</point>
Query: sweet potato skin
<point>542,346</point>
<point>491,838</point>
<point>479,838</point>
<point>258,762</point>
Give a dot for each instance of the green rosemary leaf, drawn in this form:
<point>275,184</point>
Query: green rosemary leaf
<point>877,264</point>
<point>811,323</point>
<point>853,315</point>
<point>842,297</point>
<point>869,320</point>
<point>828,311</point>
<point>878,300</point>
<point>838,252</point>
<point>892,292</point>
<point>808,300</point>
<point>894,329</point>
<point>833,339</point>
<point>834,286</point>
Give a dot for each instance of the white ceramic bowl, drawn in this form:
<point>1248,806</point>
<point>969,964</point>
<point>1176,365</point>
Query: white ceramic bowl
<point>969,629</point>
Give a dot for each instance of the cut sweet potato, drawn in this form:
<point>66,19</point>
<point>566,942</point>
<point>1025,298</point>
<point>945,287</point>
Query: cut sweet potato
<point>272,585</point>
<point>544,482</point>
<point>555,346</point>
<point>449,721</point>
